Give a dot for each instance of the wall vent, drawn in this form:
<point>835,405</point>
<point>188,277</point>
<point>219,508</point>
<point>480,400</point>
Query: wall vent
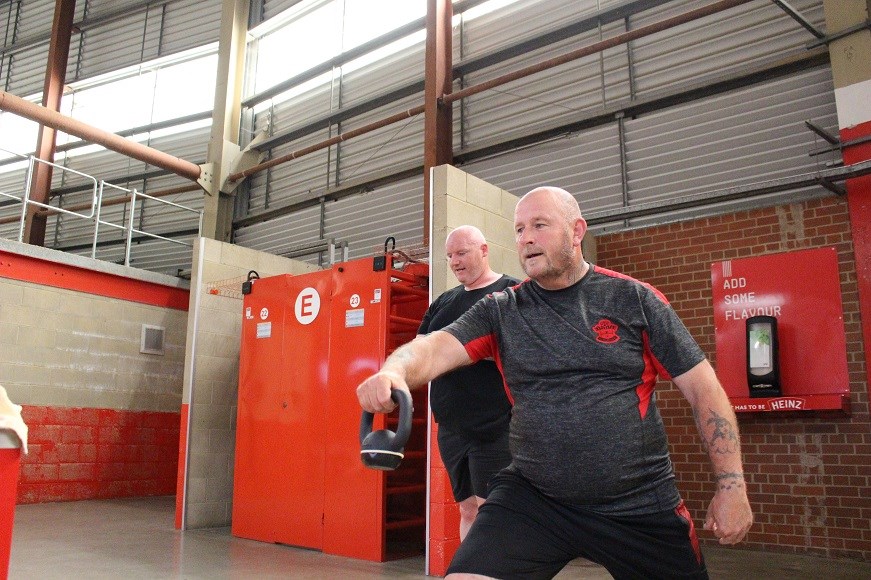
<point>151,341</point>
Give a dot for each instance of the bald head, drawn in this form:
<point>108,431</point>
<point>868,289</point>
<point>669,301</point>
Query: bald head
<point>564,202</point>
<point>466,235</point>
<point>549,230</point>
<point>467,253</point>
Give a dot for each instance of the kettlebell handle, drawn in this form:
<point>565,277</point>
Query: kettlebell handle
<point>406,409</point>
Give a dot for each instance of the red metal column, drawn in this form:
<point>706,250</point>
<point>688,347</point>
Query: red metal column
<point>851,71</point>
<point>52,91</point>
<point>437,136</point>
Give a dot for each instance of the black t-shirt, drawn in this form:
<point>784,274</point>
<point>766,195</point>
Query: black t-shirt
<point>473,399</point>
<point>582,363</point>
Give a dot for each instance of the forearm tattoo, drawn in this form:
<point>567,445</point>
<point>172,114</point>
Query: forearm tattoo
<point>403,354</point>
<point>402,361</point>
<point>728,481</point>
<point>718,434</point>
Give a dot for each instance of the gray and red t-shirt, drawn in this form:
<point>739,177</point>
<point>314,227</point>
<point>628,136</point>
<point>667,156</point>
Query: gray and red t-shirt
<point>581,364</point>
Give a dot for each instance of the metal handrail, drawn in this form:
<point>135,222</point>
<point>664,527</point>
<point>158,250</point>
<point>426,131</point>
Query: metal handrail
<point>96,204</point>
<point>131,229</point>
<point>25,198</point>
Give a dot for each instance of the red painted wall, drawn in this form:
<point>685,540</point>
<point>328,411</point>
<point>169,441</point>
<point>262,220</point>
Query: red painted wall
<point>444,512</point>
<point>77,453</point>
<point>90,453</point>
<point>809,474</point>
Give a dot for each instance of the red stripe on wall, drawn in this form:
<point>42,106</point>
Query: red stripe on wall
<point>182,465</point>
<point>68,277</point>
<point>77,453</point>
<point>444,512</point>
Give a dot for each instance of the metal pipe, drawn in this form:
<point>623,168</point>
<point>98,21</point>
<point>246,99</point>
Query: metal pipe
<point>595,47</point>
<point>233,177</point>
<point>28,110</point>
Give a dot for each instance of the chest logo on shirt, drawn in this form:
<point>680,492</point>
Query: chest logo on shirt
<point>606,331</point>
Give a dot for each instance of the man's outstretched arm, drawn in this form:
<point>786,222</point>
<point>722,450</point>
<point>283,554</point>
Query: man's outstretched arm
<point>410,366</point>
<point>729,514</point>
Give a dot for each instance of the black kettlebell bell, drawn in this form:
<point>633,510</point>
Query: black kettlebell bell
<point>384,449</point>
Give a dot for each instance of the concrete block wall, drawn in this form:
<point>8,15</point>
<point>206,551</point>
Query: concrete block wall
<point>461,199</point>
<point>102,416</point>
<point>809,473</point>
<point>206,451</point>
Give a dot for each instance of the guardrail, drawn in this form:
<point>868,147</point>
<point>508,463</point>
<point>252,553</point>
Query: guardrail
<point>94,207</point>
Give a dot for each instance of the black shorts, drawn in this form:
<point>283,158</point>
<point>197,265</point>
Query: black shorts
<point>519,533</point>
<point>470,462</point>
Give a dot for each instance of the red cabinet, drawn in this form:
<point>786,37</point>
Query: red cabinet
<point>307,341</point>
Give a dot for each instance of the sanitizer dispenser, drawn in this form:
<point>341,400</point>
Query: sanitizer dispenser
<point>763,372</point>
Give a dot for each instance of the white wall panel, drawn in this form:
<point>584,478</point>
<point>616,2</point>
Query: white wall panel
<point>25,70</point>
<point>395,71</point>
<point>728,41</point>
<point>9,13</point>
<point>34,14</point>
<point>366,221</point>
<point>189,24</point>
<point>299,110</point>
<point>737,138</point>
<point>126,41</point>
<point>294,180</point>
<point>554,96</point>
<point>394,145</point>
<point>587,165</point>
<point>518,21</point>
<point>162,256</point>
<point>282,234</point>
<point>273,8</point>
<point>112,34</point>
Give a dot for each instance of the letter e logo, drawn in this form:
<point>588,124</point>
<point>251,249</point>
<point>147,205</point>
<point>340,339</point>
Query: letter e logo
<point>307,306</point>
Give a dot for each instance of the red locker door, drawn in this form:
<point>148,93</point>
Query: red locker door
<point>354,495</point>
<point>279,469</point>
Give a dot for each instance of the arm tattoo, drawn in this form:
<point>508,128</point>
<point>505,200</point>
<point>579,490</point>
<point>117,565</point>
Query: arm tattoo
<point>723,439</point>
<point>403,354</point>
<point>728,481</point>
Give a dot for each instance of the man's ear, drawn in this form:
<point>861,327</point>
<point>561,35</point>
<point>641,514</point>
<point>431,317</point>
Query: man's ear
<point>580,230</point>
<point>485,249</point>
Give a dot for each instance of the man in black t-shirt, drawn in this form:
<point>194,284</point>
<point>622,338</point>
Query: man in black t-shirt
<point>580,348</point>
<point>469,404</point>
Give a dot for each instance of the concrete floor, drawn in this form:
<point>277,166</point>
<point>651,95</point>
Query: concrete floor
<point>135,539</point>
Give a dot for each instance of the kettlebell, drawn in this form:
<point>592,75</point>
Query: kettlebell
<point>384,449</point>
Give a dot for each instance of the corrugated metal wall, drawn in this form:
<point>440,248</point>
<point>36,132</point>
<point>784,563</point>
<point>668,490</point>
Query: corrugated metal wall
<point>743,136</point>
<point>109,35</point>
<point>363,222</point>
<point>593,141</point>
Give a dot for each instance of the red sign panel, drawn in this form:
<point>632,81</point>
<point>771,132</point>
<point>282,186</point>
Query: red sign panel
<point>801,289</point>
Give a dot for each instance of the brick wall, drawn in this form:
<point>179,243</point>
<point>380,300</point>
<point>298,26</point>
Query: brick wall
<point>809,474</point>
<point>88,453</point>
